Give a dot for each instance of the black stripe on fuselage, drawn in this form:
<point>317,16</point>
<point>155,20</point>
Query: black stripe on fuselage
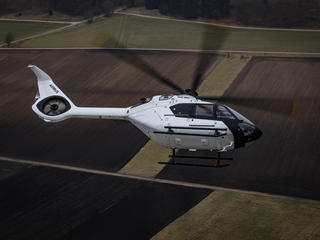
<point>189,134</point>
<point>196,128</point>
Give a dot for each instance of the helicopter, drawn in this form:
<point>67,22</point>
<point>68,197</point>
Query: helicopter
<point>183,120</point>
<point>176,121</point>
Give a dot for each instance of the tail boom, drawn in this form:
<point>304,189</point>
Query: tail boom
<point>103,113</point>
<point>84,112</point>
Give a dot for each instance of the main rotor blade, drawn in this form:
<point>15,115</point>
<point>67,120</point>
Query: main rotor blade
<point>141,64</point>
<point>213,39</point>
<point>285,106</point>
<point>209,98</point>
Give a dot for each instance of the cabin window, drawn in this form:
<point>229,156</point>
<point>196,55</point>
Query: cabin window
<point>183,110</point>
<point>204,111</point>
<point>199,111</point>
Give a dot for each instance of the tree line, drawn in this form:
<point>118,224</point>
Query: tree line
<point>191,8</point>
<point>277,13</point>
<point>185,8</point>
<point>70,7</point>
<point>269,13</point>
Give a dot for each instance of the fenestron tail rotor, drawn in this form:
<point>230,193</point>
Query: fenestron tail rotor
<point>54,107</point>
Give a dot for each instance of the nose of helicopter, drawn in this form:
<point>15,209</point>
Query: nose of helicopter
<point>256,134</point>
<point>252,135</point>
<point>244,130</point>
<point>249,132</point>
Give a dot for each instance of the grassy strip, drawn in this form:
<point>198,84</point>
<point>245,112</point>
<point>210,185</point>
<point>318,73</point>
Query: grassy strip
<point>228,215</point>
<point>141,32</point>
<point>145,162</point>
<point>24,29</point>
<point>219,80</point>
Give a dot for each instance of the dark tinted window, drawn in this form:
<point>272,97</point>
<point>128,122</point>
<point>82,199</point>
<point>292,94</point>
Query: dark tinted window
<point>204,111</point>
<point>222,112</point>
<point>183,110</point>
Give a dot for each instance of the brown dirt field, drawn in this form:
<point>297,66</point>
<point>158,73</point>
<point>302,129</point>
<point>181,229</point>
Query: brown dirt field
<point>47,203</point>
<point>89,78</point>
<point>286,159</point>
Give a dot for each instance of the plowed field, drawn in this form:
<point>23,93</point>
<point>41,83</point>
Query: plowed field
<point>281,95</point>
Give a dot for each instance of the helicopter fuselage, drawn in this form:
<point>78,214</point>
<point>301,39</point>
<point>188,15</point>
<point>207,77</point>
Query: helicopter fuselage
<point>184,122</point>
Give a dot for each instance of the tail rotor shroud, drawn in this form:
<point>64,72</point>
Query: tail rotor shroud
<point>54,106</point>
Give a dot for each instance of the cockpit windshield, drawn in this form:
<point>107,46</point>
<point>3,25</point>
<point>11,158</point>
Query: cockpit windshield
<point>223,113</point>
<point>240,117</point>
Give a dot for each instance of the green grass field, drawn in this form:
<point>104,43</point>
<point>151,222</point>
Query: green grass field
<point>24,29</point>
<point>140,32</point>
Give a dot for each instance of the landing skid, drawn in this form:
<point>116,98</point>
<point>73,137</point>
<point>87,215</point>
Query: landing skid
<point>217,163</point>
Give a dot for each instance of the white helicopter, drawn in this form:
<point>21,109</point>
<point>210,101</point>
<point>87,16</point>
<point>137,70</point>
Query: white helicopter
<point>182,121</point>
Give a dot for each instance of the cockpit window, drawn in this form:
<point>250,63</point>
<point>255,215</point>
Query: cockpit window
<point>223,113</point>
<point>183,110</point>
<point>204,111</point>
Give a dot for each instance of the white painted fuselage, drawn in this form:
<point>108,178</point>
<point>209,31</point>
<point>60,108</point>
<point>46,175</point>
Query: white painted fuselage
<point>156,120</point>
<point>173,121</point>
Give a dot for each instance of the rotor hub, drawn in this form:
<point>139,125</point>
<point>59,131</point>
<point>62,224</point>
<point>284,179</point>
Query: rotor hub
<point>54,107</point>
<point>191,92</point>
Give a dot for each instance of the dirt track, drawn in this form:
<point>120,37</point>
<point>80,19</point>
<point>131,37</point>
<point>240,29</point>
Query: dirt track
<point>286,159</point>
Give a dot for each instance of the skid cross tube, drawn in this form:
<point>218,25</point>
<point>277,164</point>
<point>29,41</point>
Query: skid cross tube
<point>218,158</point>
<point>201,157</point>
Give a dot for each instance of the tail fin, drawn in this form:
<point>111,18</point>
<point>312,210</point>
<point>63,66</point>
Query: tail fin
<point>52,105</point>
<point>46,87</point>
